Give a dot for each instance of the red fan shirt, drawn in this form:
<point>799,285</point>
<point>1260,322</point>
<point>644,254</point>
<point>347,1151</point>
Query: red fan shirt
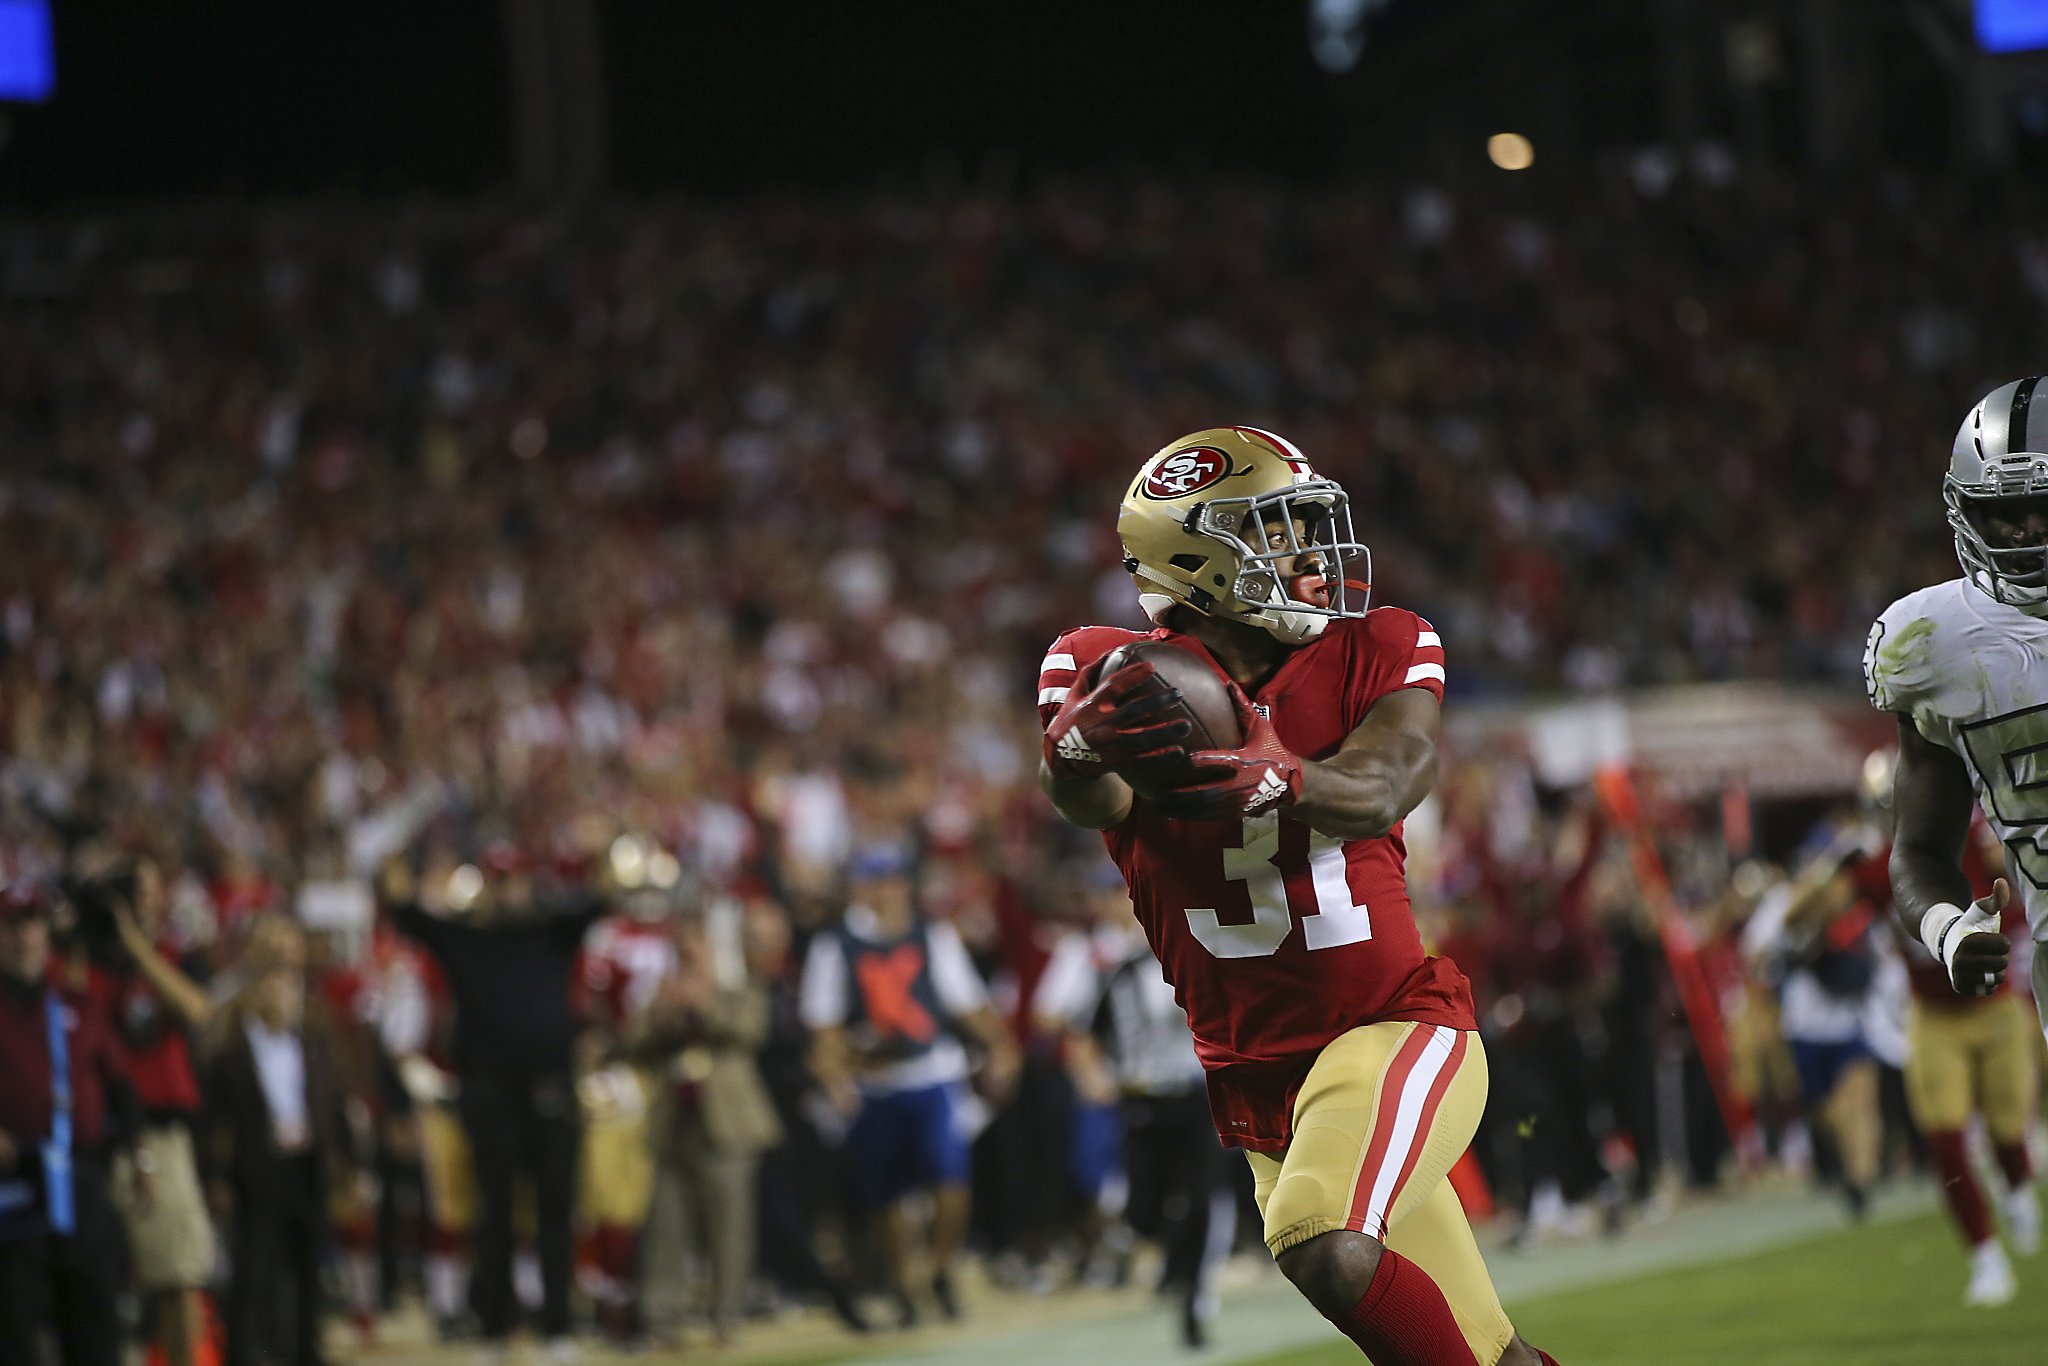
<point>623,963</point>
<point>1278,939</point>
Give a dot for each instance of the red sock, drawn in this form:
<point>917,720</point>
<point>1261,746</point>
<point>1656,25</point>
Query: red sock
<point>2014,1162</point>
<point>1546,1358</point>
<point>1959,1185</point>
<point>615,1252</point>
<point>1404,1320</point>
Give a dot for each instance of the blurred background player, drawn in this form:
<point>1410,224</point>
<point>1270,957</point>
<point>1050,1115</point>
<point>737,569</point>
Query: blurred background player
<point>626,958</point>
<point>1128,1045</point>
<point>887,994</point>
<point>1269,881</point>
<point>1813,935</point>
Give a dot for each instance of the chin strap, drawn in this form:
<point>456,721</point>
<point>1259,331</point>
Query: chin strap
<point>1289,628</point>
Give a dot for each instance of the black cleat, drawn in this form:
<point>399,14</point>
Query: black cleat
<point>848,1310</point>
<point>942,1291</point>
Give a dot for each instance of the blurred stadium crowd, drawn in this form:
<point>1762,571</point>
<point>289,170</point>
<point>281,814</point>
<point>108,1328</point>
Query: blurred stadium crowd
<point>419,609</point>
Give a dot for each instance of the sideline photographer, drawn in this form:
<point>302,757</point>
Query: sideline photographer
<point>67,1096</point>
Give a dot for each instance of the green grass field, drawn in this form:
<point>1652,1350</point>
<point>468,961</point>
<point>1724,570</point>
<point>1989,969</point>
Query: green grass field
<point>1888,1295</point>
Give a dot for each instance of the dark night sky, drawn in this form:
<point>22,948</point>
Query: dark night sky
<point>206,96</point>
<point>261,96</point>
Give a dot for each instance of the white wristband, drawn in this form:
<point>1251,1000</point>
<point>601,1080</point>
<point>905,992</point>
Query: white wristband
<point>1941,917</point>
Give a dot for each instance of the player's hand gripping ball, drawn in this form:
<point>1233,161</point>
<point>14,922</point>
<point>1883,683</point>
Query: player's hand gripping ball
<point>1254,776</point>
<point>1141,713</point>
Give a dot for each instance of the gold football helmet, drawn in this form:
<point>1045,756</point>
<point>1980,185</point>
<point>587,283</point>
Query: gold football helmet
<point>1224,520</point>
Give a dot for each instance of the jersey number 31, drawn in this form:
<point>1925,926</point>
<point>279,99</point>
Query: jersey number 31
<point>1335,919</point>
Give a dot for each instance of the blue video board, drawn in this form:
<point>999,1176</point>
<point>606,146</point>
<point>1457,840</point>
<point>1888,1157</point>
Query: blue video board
<point>28,62</point>
<point>2012,25</point>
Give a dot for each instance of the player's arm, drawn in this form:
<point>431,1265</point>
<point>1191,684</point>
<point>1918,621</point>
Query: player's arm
<point>1382,771</point>
<point>1933,799</point>
<point>1098,728</point>
<point>1091,803</point>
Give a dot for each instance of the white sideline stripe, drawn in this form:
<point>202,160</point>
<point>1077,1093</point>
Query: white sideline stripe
<point>1407,1119</point>
<point>1418,672</point>
<point>1426,638</point>
<point>1046,695</point>
<point>1056,662</point>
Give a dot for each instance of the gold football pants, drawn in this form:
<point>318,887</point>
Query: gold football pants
<point>1383,1114</point>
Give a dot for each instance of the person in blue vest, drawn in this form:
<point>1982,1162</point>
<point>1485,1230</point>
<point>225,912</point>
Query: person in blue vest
<point>65,1102</point>
<point>888,995</point>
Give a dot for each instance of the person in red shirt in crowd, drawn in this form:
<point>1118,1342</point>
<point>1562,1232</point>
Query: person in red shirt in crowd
<point>60,1241</point>
<point>1546,957</point>
<point>1270,880</point>
<point>158,1009</point>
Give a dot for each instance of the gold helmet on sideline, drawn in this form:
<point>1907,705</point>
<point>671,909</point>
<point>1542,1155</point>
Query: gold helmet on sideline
<point>1210,520</point>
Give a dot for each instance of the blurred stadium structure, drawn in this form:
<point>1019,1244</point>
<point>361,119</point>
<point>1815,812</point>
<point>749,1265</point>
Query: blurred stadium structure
<point>555,422</point>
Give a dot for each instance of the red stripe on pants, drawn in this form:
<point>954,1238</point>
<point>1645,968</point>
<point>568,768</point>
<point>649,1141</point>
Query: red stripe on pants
<point>1396,1080</point>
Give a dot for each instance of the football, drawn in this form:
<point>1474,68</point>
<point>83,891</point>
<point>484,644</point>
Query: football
<point>1204,698</point>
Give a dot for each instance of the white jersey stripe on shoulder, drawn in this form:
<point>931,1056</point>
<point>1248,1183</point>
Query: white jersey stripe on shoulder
<point>1047,696</point>
<point>1418,672</point>
<point>1061,660</point>
<point>1427,638</point>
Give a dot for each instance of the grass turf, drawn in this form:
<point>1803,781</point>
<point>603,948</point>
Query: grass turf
<point>1888,1295</point>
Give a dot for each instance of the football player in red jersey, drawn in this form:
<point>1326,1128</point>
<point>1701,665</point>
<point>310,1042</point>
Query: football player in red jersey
<point>1269,880</point>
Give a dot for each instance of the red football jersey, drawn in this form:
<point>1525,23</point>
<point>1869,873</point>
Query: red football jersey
<point>622,965</point>
<point>1278,939</point>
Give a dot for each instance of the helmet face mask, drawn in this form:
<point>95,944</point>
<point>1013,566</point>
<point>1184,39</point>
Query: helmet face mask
<point>1275,531</point>
<point>2015,575</point>
<point>1234,523</point>
<point>1998,472</point>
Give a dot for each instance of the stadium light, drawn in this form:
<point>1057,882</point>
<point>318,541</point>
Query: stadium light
<point>1510,151</point>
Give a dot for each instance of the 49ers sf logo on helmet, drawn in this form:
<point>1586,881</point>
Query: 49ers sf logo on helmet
<point>1187,471</point>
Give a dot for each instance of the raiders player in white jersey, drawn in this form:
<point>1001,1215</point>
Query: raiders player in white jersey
<point>1964,667</point>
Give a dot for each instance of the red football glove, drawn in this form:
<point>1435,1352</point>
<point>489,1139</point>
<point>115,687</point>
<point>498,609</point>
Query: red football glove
<point>1260,775</point>
<point>1117,726</point>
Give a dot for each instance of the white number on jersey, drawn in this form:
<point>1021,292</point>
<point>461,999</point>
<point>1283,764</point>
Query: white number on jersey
<point>2010,754</point>
<point>1335,920</point>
